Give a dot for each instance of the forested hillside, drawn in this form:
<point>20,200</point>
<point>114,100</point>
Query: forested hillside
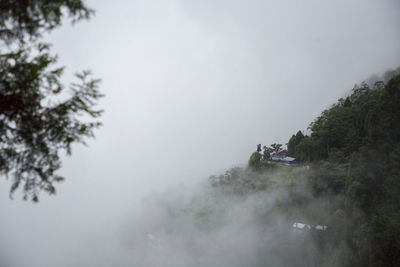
<point>338,204</point>
<point>354,148</point>
<point>353,161</point>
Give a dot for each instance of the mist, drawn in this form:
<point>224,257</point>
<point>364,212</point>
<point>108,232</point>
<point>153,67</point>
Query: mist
<point>212,226</point>
<point>191,87</point>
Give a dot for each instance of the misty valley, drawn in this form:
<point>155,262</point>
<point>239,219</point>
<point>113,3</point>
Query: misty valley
<point>199,133</point>
<point>241,218</point>
<point>334,202</point>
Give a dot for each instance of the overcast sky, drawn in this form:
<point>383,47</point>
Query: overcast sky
<point>191,88</point>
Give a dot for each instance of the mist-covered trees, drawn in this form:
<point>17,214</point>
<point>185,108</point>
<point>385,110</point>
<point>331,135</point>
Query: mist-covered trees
<point>39,116</point>
<point>259,159</point>
<point>255,160</point>
<point>354,151</point>
<point>350,183</point>
<point>294,141</point>
<point>354,147</point>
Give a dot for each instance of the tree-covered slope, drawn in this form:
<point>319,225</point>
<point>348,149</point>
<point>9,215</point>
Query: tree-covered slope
<point>350,165</point>
<point>344,191</point>
<point>354,148</point>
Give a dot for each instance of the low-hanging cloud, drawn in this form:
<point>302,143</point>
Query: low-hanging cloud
<point>190,87</point>
<point>214,226</point>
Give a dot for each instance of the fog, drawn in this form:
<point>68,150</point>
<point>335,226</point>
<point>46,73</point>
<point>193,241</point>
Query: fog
<point>191,87</point>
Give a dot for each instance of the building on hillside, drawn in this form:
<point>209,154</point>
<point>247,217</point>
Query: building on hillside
<point>279,155</point>
<point>289,160</point>
<point>298,227</point>
<point>321,227</point>
<point>282,157</point>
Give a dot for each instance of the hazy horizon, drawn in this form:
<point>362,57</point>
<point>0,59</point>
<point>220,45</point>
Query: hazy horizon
<point>191,88</point>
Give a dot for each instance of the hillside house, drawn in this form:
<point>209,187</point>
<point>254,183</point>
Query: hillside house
<point>298,227</point>
<point>321,227</point>
<point>281,156</point>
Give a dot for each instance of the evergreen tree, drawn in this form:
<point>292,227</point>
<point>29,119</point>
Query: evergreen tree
<point>37,121</point>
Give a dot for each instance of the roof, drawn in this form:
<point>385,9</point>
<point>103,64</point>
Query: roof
<point>298,227</point>
<point>288,159</point>
<point>281,153</point>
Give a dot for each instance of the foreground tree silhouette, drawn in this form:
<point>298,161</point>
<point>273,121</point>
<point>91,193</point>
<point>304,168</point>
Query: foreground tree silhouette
<point>39,117</point>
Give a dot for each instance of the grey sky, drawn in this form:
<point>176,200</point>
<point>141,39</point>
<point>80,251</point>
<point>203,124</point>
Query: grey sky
<point>192,87</point>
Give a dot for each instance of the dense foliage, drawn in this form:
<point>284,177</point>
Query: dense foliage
<point>350,166</point>
<point>355,151</point>
<point>38,116</point>
<point>259,160</point>
<point>31,18</point>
